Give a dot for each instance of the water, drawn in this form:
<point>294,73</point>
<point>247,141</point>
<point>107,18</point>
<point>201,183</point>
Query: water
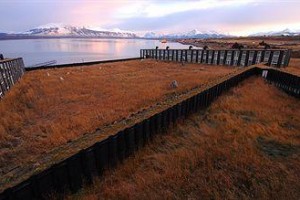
<point>34,51</point>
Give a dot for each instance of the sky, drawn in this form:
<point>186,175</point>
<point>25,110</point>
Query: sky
<point>235,17</point>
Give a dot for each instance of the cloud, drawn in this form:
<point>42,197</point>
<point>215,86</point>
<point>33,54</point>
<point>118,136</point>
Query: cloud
<point>163,8</point>
<point>236,19</point>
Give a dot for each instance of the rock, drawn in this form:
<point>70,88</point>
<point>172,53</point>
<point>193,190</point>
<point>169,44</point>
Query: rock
<point>174,84</point>
<point>61,78</point>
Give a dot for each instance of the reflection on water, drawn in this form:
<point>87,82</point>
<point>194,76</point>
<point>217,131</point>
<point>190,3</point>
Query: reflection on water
<point>64,51</point>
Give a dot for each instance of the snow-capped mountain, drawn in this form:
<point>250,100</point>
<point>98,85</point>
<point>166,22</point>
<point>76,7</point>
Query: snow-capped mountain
<point>285,32</point>
<point>68,30</point>
<point>190,34</point>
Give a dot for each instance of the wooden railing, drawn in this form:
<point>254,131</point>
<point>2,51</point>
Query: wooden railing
<point>11,71</point>
<point>231,57</point>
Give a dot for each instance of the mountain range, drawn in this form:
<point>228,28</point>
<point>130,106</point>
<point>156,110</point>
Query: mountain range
<point>285,32</point>
<point>190,34</point>
<point>61,30</point>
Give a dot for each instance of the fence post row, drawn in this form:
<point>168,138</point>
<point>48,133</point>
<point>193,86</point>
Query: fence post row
<point>242,57</point>
<point>10,72</point>
<point>285,81</point>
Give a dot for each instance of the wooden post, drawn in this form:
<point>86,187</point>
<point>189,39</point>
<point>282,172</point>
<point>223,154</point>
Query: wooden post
<point>201,58</point>
<point>212,57</point>
<point>225,57</point>
<point>232,57</point>
<point>197,55</point>
<point>240,57</point>
<point>270,58</point>
<point>287,57</point>
<point>13,70</point>
<point>279,60</point>
<point>218,57</point>
<point>247,58</point>
<point>167,52</point>
<point>262,57</point>
<point>206,59</point>
<point>5,75</point>
<point>186,56</point>
<point>180,55</point>
<point>173,54</point>
<point>254,57</point>
<point>11,73</point>
<point>2,83</point>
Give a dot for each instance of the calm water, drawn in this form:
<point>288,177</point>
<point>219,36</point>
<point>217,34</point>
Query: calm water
<point>64,51</point>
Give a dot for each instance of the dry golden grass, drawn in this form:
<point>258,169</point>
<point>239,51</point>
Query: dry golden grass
<point>245,146</point>
<point>48,108</point>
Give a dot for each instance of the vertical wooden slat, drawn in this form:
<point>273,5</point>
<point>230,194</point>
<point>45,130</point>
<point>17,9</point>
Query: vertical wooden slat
<point>279,61</point>
<point>262,57</point>
<point>173,54</point>
<point>225,57</point>
<point>287,57</point>
<point>270,58</point>
<point>240,57</point>
<point>232,57</point>
<point>212,56</point>
<point>206,56</point>
<point>181,55</point>
<point>254,57</point>
<point>247,58</point>
<point>201,58</point>
<point>218,57</point>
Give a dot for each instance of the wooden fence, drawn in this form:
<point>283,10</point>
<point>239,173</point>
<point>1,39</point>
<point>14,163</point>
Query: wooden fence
<point>287,82</point>
<point>232,57</point>
<point>11,71</point>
